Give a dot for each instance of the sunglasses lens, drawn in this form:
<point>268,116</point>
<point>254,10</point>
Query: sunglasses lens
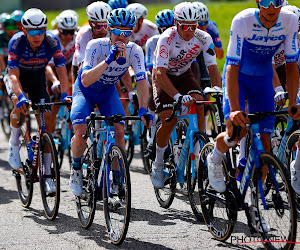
<point>36,32</point>
<point>266,3</point>
<point>118,32</point>
<point>67,32</point>
<point>185,27</point>
<point>99,27</point>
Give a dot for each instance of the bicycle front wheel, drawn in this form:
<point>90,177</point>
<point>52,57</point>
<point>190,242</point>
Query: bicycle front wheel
<point>7,106</point>
<point>49,169</point>
<point>116,195</point>
<point>277,222</point>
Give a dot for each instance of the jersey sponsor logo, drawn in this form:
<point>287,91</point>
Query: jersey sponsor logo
<point>178,66</point>
<point>200,37</point>
<point>266,38</point>
<point>116,69</point>
<point>138,60</point>
<point>143,40</point>
<point>163,52</point>
<point>263,50</point>
<point>171,37</point>
<point>185,55</point>
<point>238,45</point>
<point>93,57</point>
<point>70,52</point>
<point>58,54</point>
<point>294,41</point>
<point>34,61</point>
<point>140,76</point>
<point>231,61</point>
<point>12,56</point>
<point>16,42</point>
<point>256,25</point>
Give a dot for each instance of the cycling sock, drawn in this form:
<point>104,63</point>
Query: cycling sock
<point>297,161</point>
<point>160,155</point>
<point>47,163</point>
<point>242,148</point>
<point>76,163</point>
<point>216,156</point>
<point>14,136</point>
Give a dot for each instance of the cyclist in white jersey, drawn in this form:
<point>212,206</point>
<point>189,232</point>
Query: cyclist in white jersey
<point>255,36</point>
<point>66,32</point>
<point>97,28</point>
<point>96,81</point>
<point>172,79</point>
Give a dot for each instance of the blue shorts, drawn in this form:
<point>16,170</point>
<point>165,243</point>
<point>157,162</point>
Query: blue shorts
<point>260,97</point>
<point>84,100</point>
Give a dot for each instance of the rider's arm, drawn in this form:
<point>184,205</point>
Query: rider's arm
<point>127,81</point>
<point>292,76</point>
<point>50,74</point>
<point>143,93</point>
<point>14,75</point>
<point>233,87</point>
<point>2,63</point>
<point>219,53</point>
<point>63,78</point>
<point>214,75</point>
<point>90,76</point>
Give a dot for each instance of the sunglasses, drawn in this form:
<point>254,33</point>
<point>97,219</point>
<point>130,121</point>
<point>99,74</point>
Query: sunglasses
<point>267,3</point>
<point>10,27</point>
<point>118,32</point>
<point>38,32</point>
<point>186,27</point>
<point>67,32</point>
<point>202,24</point>
<point>99,26</point>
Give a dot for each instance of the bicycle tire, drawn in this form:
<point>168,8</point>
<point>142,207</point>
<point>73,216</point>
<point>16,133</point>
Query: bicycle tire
<point>86,203</point>
<point>212,122</point>
<point>117,206</point>
<point>192,184</point>
<point>7,108</point>
<point>219,210</point>
<point>50,201</point>
<point>282,234</point>
<point>23,180</point>
<point>278,132</point>
<point>129,145</point>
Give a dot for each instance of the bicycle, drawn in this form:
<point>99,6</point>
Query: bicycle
<point>32,149</point>
<point>101,162</point>
<point>181,170</point>
<point>272,199</point>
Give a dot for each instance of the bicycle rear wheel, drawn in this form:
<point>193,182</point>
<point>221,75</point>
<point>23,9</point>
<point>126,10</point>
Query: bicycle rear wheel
<point>7,106</point>
<point>211,125</point>
<point>116,195</point>
<point>192,183</point>
<point>278,133</point>
<point>219,210</point>
<point>23,179</point>
<point>51,200</point>
<point>280,213</point>
<point>129,144</point>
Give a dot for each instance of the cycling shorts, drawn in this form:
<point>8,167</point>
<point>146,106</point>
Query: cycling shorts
<point>260,96</point>
<point>85,99</point>
<point>185,84</point>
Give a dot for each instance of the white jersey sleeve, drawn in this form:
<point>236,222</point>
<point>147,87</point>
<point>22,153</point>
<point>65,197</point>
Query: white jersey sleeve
<point>137,62</point>
<point>149,51</point>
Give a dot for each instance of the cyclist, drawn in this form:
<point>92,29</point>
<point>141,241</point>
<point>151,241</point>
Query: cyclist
<point>172,79</point>
<point>115,4</point>
<point>17,15</point>
<point>96,84</point>
<point>66,32</point>
<point>9,29</point>
<point>29,53</point>
<point>249,72</point>
<point>164,19</point>
<point>97,28</point>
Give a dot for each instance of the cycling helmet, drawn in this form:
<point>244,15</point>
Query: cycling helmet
<point>9,21</point>
<point>204,14</point>
<point>17,15</point>
<point>164,18</point>
<point>285,3</point>
<point>121,17</point>
<point>293,9</point>
<point>139,10</point>
<point>2,16</point>
<point>186,11</point>
<point>67,20</point>
<point>34,18</point>
<point>115,4</point>
<point>98,11</point>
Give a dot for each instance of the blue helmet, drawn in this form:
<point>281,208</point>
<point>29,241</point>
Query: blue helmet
<point>17,15</point>
<point>164,18</point>
<point>121,17</point>
<point>115,4</point>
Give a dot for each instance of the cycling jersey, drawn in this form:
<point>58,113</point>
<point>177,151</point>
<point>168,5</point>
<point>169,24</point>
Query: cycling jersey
<point>149,51</point>
<point>22,57</point>
<point>4,44</point>
<point>98,49</point>
<point>252,46</point>
<point>68,50</point>
<point>213,30</point>
<point>147,30</point>
<point>177,55</point>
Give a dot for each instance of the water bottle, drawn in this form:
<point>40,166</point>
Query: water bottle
<point>240,169</point>
<point>120,57</point>
<point>177,149</point>
<point>84,169</point>
<point>30,148</point>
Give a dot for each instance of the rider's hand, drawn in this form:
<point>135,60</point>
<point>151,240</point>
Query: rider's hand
<point>112,53</point>
<point>186,100</point>
<point>21,104</point>
<point>295,116</point>
<point>55,88</point>
<point>133,99</point>
<point>238,119</point>
<point>279,96</point>
<point>65,98</point>
<point>145,117</point>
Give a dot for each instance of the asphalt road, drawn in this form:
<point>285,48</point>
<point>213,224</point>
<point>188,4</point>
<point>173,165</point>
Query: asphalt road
<point>151,227</point>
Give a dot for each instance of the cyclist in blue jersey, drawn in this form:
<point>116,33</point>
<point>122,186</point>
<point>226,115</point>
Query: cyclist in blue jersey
<point>29,53</point>
<point>102,68</point>
<point>255,36</point>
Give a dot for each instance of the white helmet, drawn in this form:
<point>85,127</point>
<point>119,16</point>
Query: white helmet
<point>186,11</point>
<point>34,18</point>
<point>285,3</point>
<point>204,14</point>
<point>98,11</point>
<point>293,9</point>
<point>139,10</point>
<point>67,20</point>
